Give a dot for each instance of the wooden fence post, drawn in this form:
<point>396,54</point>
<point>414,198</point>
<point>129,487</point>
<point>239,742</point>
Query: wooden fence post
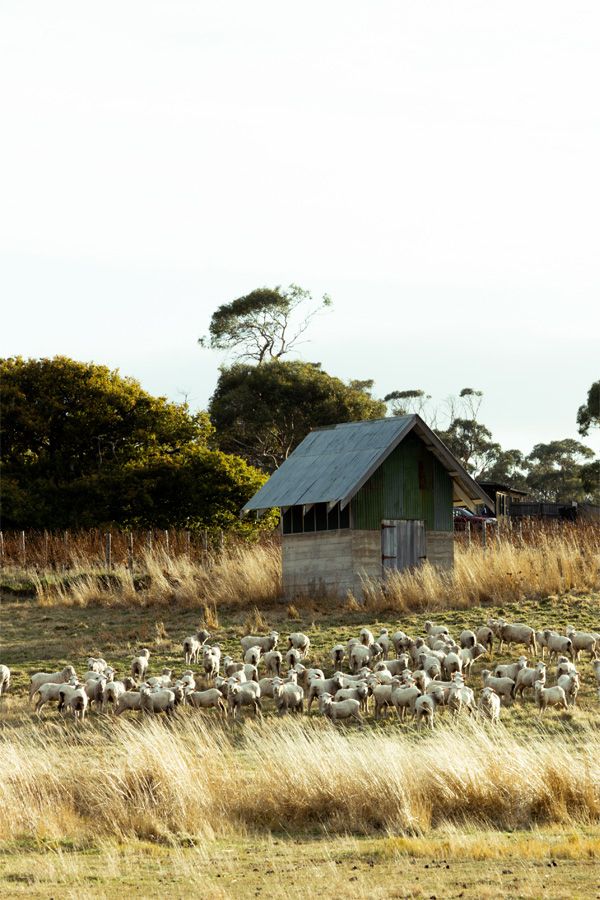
<point>108,550</point>
<point>188,543</point>
<point>130,551</point>
<point>23,550</point>
<point>167,541</point>
<point>469,534</point>
<point>484,534</point>
<point>1,548</point>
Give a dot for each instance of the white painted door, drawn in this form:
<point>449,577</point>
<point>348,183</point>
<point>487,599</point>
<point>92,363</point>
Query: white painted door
<point>402,543</point>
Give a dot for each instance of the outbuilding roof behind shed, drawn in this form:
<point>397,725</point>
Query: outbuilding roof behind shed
<point>332,464</point>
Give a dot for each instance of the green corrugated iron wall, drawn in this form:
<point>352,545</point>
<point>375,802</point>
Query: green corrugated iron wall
<point>410,484</point>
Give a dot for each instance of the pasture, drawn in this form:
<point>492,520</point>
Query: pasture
<point>383,810</point>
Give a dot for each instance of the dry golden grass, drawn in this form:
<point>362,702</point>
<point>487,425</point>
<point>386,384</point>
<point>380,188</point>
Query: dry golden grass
<point>507,571</point>
<point>151,779</point>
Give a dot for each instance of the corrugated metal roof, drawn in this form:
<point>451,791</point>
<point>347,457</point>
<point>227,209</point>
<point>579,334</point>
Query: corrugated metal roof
<point>332,464</point>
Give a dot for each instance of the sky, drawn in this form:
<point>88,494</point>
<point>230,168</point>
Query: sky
<point>433,166</point>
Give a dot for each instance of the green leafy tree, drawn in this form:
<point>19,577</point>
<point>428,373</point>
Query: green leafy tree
<point>506,467</point>
<point>263,412</point>
<point>588,415</point>
<point>555,470</point>
<point>404,403</point>
<point>472,444</point>
<point>590,480</point>
<point>265,324</point>
<point>83,446</point>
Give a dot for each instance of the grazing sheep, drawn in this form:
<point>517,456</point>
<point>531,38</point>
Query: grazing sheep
<point>424,708</point>
<point>484,635</point>
<point>113,690</point>
<point>337,654</point>
<point>432,629</point>
<point>461,697</point>
<point>382,696</point>
<point>565,667</point>
<point>128,700</point>
<point>393,666</point>
<point>489,705</point>
<point>272,661</point>
<point>50,691</point>
<point>403,698</point>
<point>570,685</point>
<point>246,694</point>
<point>41,678</point>
<point>343,709</point>
<point>157,701</point>
<point>77,701</point>
<point>252,656</point>
<point>230,667</point>
<point>211,660</point>
<point>292,657</point>
<point>541,642</point>
<point>452,663</point>
<point>265,642</point>
<point>468,656</point>
<point>467,638</point>
<point>289,697</point>
<point>203,635</point>
<point>557,644</point>
<point>583,640</point>
<point>210,699</point>
<point>191,649</point>
<point>251,672</point>
<point>359,691</point>
<point>319,686</point>
<point>366,637</point>
<point>94,688</point>
<point>513,633</point>
<point>299,641</point>
<point>511,670</point>
<point>384,641</point>
<point>139,666</point>
<point>97,664</point>
<point>400,641</point>
<point>504,687</point>
<point>545,697</point>
<point>526,678</point>
<point>430,664</point>
<point>4,679</point>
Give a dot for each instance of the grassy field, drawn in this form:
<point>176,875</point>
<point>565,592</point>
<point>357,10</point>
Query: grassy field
<point>285,808</point>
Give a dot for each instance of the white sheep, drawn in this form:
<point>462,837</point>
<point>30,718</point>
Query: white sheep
<point>157,701</point>
<point>246,694</point>
<point>526,678</point>
<point>384,641</point>
<point>265,642</point>
<point>583,640</point>
<point>460,697</point>
<point>484,635</point>
<point>393,666</point>
<point>272,660</point>
<point>366,637</point>
<point>404,698</point>
<point>210,699</point>
<point>363,655</point>
<point>557,644</point>
<point>112,692</point>
<point>128,700</point>
<point>336,655</point>
<point>4,679</point>
<point>511,670</point>
<point>545,697</point>
<point>289,697</point>
<point>139,666</point>
<point>299,641</point>
<point>504,687</point>
<point>430,664</point>
<point>400,641</point>
<point>50,691</point>
<point>513,633</point>
<point>489,705</point>
<point>97,664</point>
<point>230,667</point>
<point>191,649</point>
<point>41,678</point>
<point>468,656</point>
<point>211,660</point>
<point>452,663</point>
<point>292,657</point>
<point>432,629</point>
<point>252,656</point>
<point>564,666</point>
<point>94,688</point>
<point>344,709</point>
<point>319,686</point>
<point>424,708</point>
<point>359,691</point>
<point>570,685</point>
<point>77,701</point>
<point>467,638</point>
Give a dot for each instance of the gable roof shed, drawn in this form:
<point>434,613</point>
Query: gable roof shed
<point>333,463</point>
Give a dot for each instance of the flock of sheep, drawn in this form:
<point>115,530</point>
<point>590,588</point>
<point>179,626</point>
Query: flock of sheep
<point>412,675</point>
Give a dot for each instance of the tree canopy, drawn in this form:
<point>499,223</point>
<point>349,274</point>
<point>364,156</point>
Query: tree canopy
<point>555,470</point>
<point>83,446</point>
<point>263,412</point>
<point>263,324</point>
<point>588,415</point>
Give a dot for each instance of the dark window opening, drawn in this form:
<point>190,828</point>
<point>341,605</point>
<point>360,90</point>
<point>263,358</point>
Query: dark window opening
<point>317,518</point>
<point>287,521</point>
<point>345,517</point>
<point>297,518</point>
<point>321,516</point>
<point>309,520</point>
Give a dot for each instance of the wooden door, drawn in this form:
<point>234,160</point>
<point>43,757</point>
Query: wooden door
<point>402,543</point>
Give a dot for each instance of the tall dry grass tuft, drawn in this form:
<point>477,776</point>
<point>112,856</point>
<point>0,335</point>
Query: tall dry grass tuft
<point>240,575</point>
<point>154,779</point>
<point>508,570</point>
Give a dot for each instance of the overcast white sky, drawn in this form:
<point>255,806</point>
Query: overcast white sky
<point>434,166</point>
